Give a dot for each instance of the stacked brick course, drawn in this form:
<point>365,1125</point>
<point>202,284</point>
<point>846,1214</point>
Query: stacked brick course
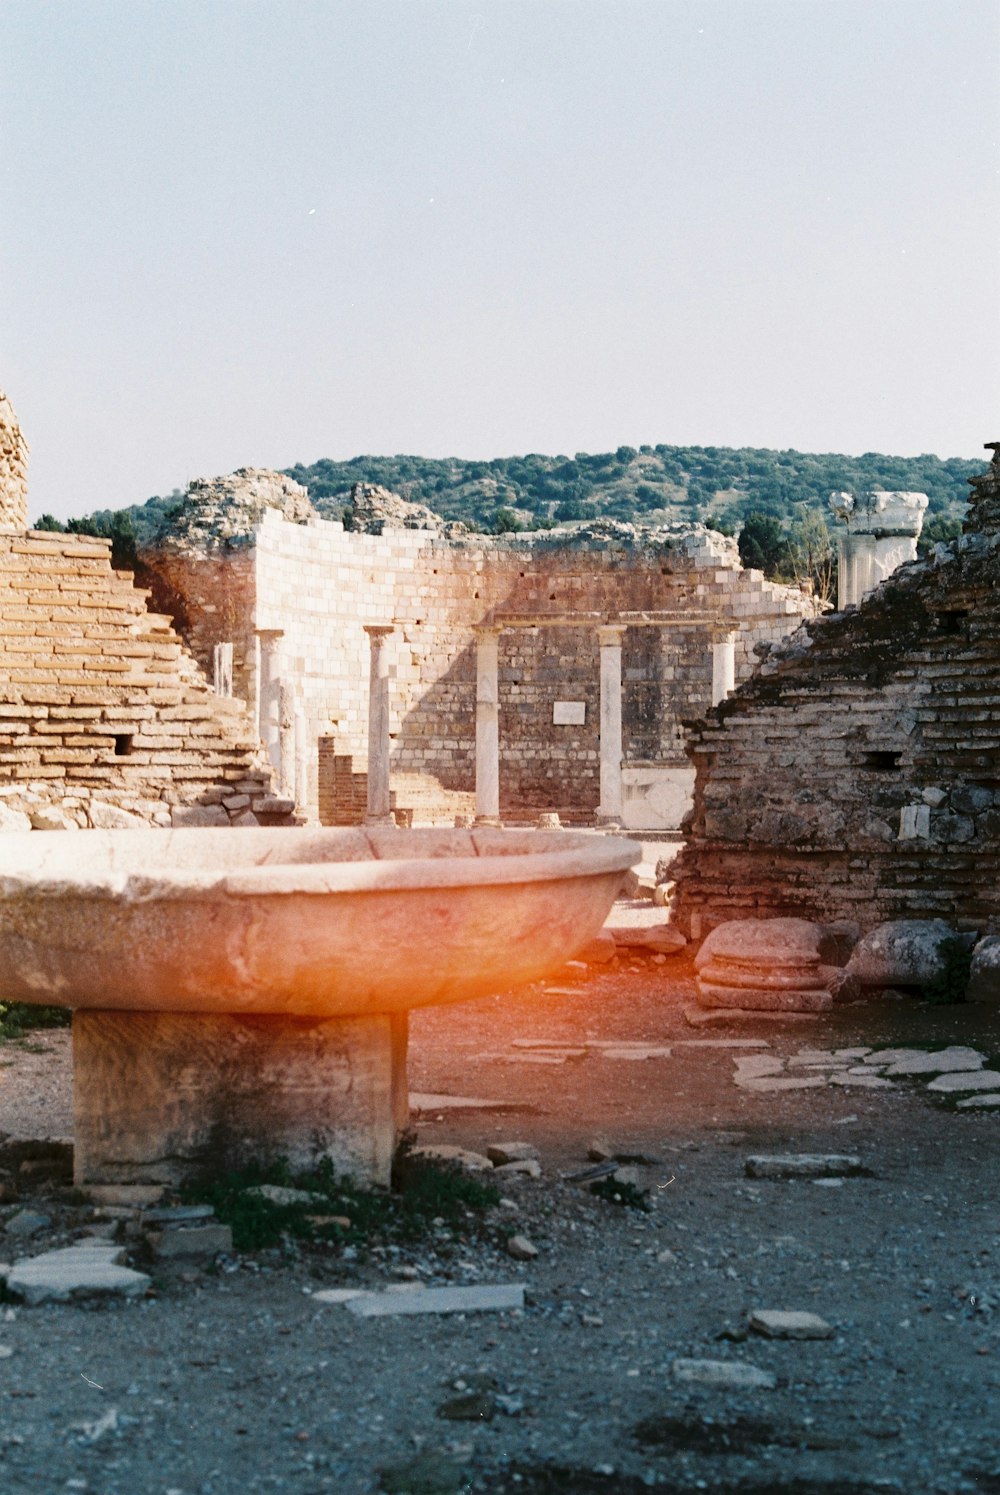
<point>857,774</point>
<point>104,717</point>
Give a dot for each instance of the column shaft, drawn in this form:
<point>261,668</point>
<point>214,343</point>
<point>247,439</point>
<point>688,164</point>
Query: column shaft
<point>609,811</point>
<point>488,726</point>
<point>268,720</point>
<point>723,667</point>
<point>379,812</point>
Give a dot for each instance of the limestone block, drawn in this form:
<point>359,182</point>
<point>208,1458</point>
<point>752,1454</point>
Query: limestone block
<point>159,1096</point>
<point>767,942</point>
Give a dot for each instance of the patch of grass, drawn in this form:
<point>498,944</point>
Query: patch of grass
<point>18,1018</point>
<point>624,1194</point>
<point>425,1193</point>
<point>951,985</point>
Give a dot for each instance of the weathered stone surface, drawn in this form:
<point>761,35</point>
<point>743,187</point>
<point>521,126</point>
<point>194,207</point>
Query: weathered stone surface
<point>521,1248</point>
<point>659,939</point>
<point>26,1223</point>
<point>462,1157</point>
<point>526,1167</point>
<point>190,1240</point>
<point>945,1061</point>
<point>510,1152</point>
<point>985,1102</point>
<point>105,817</point>
<point>765,999</point>
<point>726,1375</point>
<point>802,1165</point>
<point>485,1299</point>
<point>599,950</point>
<point>84,1271</point>
<point>774,1084</point>
<point>277,1194</point>
<point>766,942</point>
<point>984,978</point>
<point>13,820</point>
<point>984,1079</point>
<point>777,1323</point>
<point>903,952</point>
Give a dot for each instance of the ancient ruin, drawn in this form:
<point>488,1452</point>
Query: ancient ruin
<point>543,672</point>
<point>855,775</point>
<point>105,718</point>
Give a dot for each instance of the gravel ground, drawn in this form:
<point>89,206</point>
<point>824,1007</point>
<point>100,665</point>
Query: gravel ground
<point>230,1378</point>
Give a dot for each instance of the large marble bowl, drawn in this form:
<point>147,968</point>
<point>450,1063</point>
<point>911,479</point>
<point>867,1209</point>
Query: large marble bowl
<point>312,923</point>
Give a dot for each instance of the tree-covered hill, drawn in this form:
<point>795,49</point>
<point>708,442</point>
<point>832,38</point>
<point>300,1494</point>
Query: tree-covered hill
<point>716,485</point>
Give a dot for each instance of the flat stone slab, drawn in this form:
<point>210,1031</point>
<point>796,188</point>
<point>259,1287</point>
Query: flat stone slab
<point>510,1152</point>
<point>779,1323</point>
<point>723,1043</point>
<point>945,1061</point>
<point>86,1271</point>
<point>755,1065</point>
<point>983,1102</point>
<point>658,940</point>
<point>486,1299</point>
<point>859,1081</point>
<point>207,1239</point>
<point>179,1214</point>
<point>636,1052</point>
<point>764,999</point>
<point>983,1079</point>
<point>429,1101</point>
<point>773,1084</point>
<point>733,1375</point>
<point>802,1165</point>
<point>703,1017</point>
<point>337,1294</point>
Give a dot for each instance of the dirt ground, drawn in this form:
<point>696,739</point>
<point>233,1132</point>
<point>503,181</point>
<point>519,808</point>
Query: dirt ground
<point>230,1378</point>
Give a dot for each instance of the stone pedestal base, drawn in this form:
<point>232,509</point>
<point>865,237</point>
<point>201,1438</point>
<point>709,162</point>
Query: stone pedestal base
<point>160,1096</point>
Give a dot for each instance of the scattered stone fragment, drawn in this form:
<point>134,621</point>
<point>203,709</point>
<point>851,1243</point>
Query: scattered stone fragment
<point>83,1271</point>
<point>526,1167</point>
<point>422,1103</point>
<point>473,1406</point>
<point>984,1079</point>
<point>701,1017</point>
<point>592,1174</point>
<point>984,976</point>
<point>779,1323</point>
<point>858,1053</point>
<point>180,1214</point>
<point>599,950</point>
<point>600,1151</point>
<point>521,1249</point>
<point>496,1298</point>
<point>190,1240</point>
<point>769,1084</point>
<point>817,1061</point>
<point>945,1061</point>
<point>511,1152</point>
<point>735,1375</point>
<point>658,939</point>
<point>723,1043</point>
<point>903,952</point>
<point>444,1152</point>
<point>26,1223</point>
<point>980,1101</point>
<point>867,1081</point>
<point>753,1066</point>
<point>827,1183</point>
<point>635,1051</point>
<point>6,1350</point>
<point>802,1165</point>
<point>337,1294</point>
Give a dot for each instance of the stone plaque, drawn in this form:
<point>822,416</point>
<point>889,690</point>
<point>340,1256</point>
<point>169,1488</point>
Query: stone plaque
<point>569,713</point>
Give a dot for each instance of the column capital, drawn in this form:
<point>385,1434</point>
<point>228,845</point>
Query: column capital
<point>487,630</point>
<point>379,630</point>
<point>611,634</point>
<point>269,634</point>
<point>724,632</point>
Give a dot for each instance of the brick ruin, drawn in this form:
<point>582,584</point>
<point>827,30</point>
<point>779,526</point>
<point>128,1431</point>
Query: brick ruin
<point>105,718</point>
<point>246,563</point>
<point>857,774</point>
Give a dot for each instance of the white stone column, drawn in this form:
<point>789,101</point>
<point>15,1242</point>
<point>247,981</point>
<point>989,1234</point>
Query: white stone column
<point>286,740</point>
<point>723,665</point>
<point>222,669</point>
<point>609,636</point>
<point>488,726</point>
<point>379,812</point>
<point>303,776</point>
<point>269,671</point>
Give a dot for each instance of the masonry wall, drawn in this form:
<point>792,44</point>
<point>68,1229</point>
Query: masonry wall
<point>13,469</point>
<point>857,775</point>
<point>104,717</point>
<point>320,585</point>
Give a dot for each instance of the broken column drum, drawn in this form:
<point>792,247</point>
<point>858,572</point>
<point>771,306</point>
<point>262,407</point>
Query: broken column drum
<point>244,996</point>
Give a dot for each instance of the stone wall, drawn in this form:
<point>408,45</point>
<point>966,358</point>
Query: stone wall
<point>857,774</point>
<point>13,469</point>
<point>105,719</point>
<point>319,584</point>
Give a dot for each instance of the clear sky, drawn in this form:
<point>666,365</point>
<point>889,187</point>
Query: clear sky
<point>266,231</point>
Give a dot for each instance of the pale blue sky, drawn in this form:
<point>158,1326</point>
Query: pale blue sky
<point>271,231</point>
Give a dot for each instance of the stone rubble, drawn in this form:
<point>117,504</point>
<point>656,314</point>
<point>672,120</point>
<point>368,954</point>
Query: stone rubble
<point>82,1271</point>
<point>778,1323</point>
<point>727,1375</point>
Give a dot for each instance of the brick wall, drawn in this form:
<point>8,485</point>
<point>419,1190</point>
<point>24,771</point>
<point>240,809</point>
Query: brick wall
<point>857,775</point>
<point>104,715</point>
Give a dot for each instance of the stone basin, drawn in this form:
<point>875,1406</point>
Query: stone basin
<point>243,994</point>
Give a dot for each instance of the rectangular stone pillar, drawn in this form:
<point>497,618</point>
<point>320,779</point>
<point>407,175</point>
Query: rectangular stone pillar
<point>303,761</point>
<point>488,726</point>
<point>269,670</point>
<point>222,669</point>
<point>723,665</point>
<point>609,811</point>
<point>161,1096</point>
<point>286,741</point>
<point>379,811</point>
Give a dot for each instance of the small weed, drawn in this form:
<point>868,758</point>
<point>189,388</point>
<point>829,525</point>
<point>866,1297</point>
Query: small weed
<point>18,1018</point>
<point>423,1192</point>
<point>953,982</point>
<point>624,1194</point>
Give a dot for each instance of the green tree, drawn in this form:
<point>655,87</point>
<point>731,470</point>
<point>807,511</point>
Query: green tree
<point>505,522</point>
<point>762,543</point>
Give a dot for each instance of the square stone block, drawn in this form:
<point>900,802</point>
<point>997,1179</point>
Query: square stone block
<point>159,1096</point>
